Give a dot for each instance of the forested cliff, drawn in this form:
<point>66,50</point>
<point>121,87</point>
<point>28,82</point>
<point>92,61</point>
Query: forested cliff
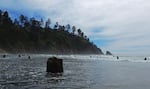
<point>25,34</point>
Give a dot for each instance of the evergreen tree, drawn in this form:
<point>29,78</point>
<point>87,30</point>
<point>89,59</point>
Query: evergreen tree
<point>1,14</point>
<point>41,22</point>
<point>22,20</point>
<point>68,27</point>
<point>79,32</point>
<point>6,15</point>
<point>35,23</point>
<point>73,29</point>
<point>16,22</point>
<point>47,23</point>
<point>1,17</point>
<point>56,26</point>
<point>82,34</point>
<point>6,21</point>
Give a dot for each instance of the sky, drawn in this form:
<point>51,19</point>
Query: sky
<point>120,26</point>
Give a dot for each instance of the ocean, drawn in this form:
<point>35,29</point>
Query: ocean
<point>80,72</point>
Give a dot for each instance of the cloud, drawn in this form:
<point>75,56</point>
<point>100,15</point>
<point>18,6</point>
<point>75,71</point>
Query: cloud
<point>122,25</point>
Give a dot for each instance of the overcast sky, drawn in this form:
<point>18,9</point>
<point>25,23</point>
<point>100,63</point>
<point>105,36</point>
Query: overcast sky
<point>121,26</point>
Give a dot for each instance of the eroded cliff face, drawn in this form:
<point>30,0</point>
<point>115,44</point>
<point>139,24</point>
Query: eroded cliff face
<point>54,42</point>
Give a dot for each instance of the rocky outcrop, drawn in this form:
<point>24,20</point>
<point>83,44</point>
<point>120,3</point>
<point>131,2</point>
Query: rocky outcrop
<point>108,53</point>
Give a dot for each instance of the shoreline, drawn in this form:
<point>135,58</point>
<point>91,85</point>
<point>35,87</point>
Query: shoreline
<point>56,52</point>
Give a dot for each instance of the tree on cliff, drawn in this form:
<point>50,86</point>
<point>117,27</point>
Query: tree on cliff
<point>73,29</point>
<point>0,14</point>
<point>6,21</point>
<point>79,32</point>
<point>56,26</point>
<point>22,20</point>
<point>68,27</point>
<point>47,23</point>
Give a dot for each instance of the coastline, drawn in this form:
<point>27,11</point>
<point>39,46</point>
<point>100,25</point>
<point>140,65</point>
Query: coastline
<point>57,52</point>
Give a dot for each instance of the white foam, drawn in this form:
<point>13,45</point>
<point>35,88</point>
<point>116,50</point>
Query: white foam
<point>84,57</point>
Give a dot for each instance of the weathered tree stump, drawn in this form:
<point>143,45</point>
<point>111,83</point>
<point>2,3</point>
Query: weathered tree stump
<point>54,65</point>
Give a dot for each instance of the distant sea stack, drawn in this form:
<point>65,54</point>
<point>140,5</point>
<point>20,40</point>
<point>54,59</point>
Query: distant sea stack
<point>30,35</point>
<point>108,53</point>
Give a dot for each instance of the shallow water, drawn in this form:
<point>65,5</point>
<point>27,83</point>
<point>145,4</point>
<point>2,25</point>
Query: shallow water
<point>80,72</point>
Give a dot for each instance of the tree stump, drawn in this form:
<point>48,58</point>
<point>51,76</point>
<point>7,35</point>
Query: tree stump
<point>54,65</point>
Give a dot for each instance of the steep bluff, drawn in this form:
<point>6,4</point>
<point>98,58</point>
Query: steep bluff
<point>32,35</point>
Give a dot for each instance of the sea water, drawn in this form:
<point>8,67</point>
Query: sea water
<point>80,72</point>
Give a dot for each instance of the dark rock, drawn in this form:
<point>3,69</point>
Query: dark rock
<point>19,55</point>
<point>117,57</point>
<point>54,65</point>
<point>4,56</point>
<point>145,58</point>
<point>29,57</point>
<point>108,53</point>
